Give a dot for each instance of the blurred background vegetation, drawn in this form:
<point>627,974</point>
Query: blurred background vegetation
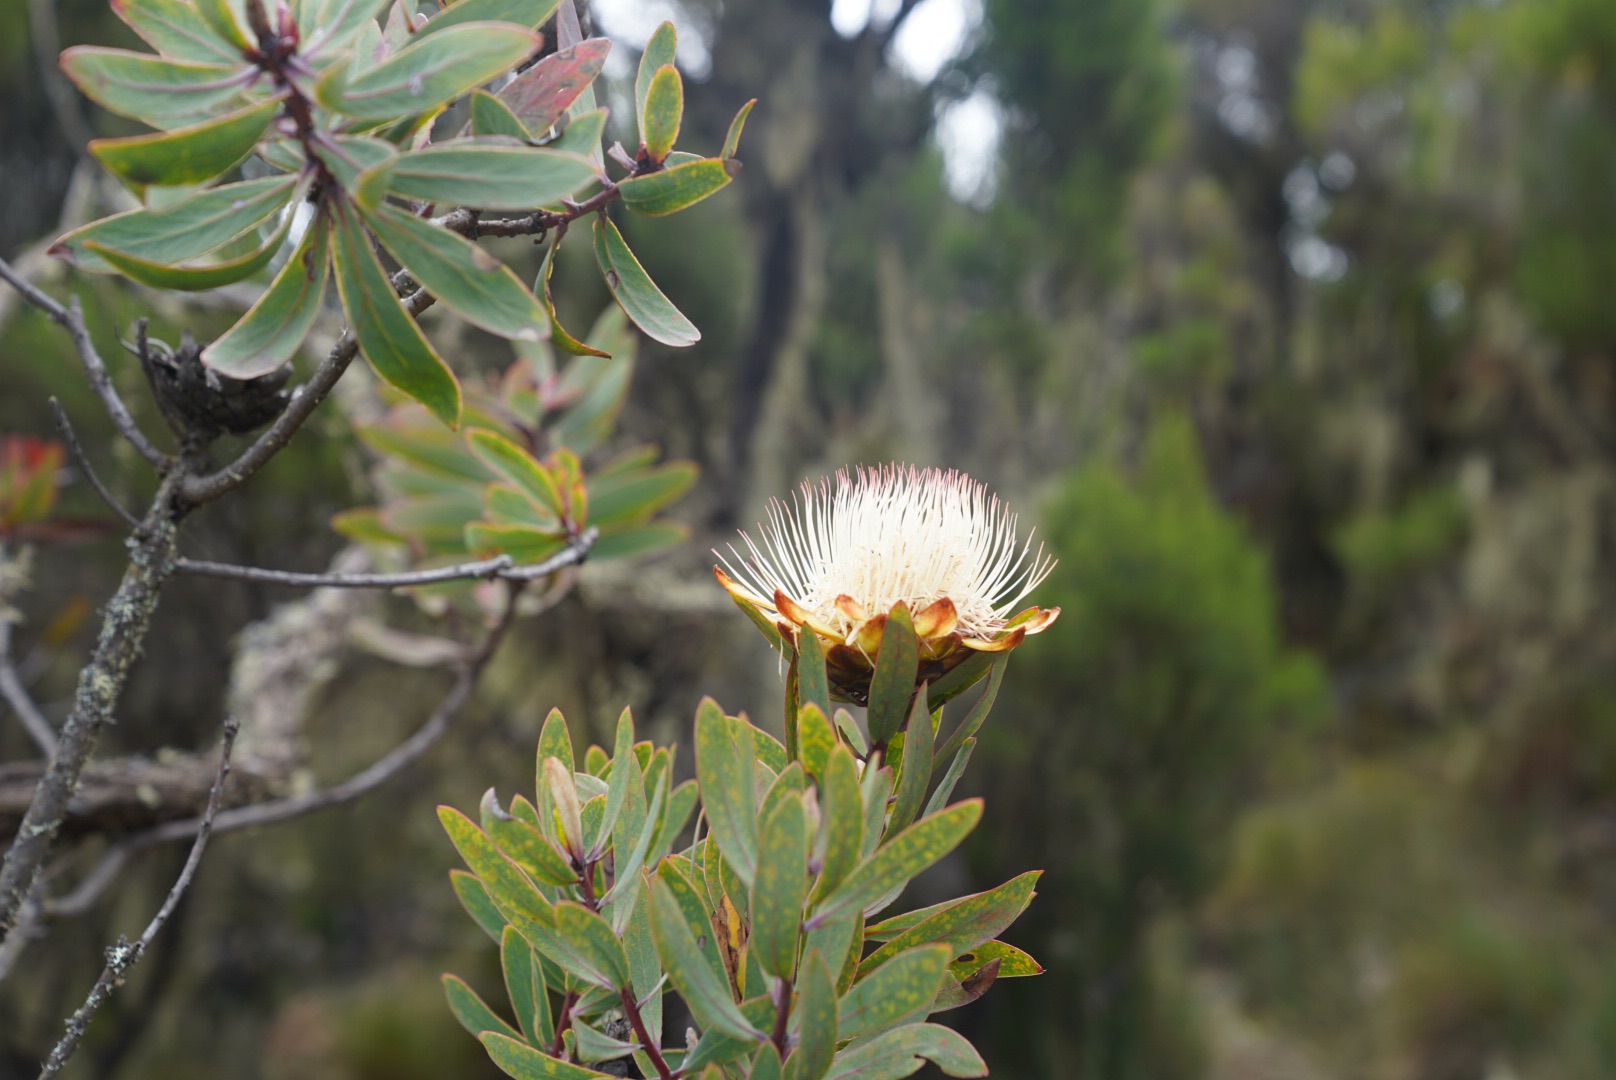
<point>1291,325</point>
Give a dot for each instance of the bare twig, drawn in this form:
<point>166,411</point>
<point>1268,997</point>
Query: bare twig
<point>76,448</point>
<point>72,317</point>
<point>124,955</point>
<point>305,399</point>
<point>128,614</point>
<point>15,694</point>
<point>500,567</point>
<point>378,773</point>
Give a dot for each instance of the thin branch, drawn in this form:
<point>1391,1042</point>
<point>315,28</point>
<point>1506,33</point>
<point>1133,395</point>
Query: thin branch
<point>71,316</point>
<point>305,399</point>
<point>15,694</point>
<point>76,448</point>
<point>378,773</point>
<point>631,1009</point>
<point>467,223</point>
<point>500,567</point>
<point>124,955</point>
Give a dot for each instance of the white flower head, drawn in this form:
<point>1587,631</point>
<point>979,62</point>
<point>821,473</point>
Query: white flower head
<point>843,553</point>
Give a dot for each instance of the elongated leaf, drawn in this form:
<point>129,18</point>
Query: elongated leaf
<point>523,845</point>
<point>671,190</point>
<point>195,227</point>
<point>492,175</point>
<point>634,496</point>
<point>815,741</point>
<point>475,285</point>
<point>186,155</point>
<point>560,337</point>
<point>874,788</point>
<point>709,1001</point>
<point>524,985</point>
<point>540,95</point>
<point>695,913</point>
<point>714,1048</point>
<point>961,678</point>
<point>780,888</point>
<point>893,682</point>
<point>474,898</point>
<point>899,991</point>
<point>150,89</point>
<point>644,969</point>
<point>659,52</point>
<point>624,765</point>
<point>528,13</point>
<point>902,857</point>
<point>902,1051</point>
<point>434,70</point>
<point>843,811</point>
<point>661,111</point>
<point>388,337</point>
<point>593,952</point>
<point>329,25</point>
<point>945,787</point>
<point>816,1018</point>
<point>973,720</point>
<point>196,277</point>
<point>275,326</point>
<point>490,116</point>
<point>583,134</point>
<point>637,294</point>
<point>732,140</point>
<point>177,30</point>
<point>228,19</point>
<point>555,741</point>
<point>724,768</point>
<point>1013,963</point>
<point>472,1012</point>
<point>515,464</point>
<point>591,1044</point>
<point>813,686</point>
<point>508,890</point>
<point>962,924</point>
<point>522,1062</point>
<point>915,776</point>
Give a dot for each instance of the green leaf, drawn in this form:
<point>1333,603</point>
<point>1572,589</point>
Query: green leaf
<point>199,277</point>
<point>555,741</point>
<point>508,889</point>
<point>724,768</point>
<point>387,335</point>
<point>696,915</point>
<point>520,1061</point>
<point>715,1049</point>
<point>492,175</point>
<point>353,156</point>
<point>475,285</point>
<point>186,230</point>
<point>522,543</point>
<point>765,1064</point>
<point>973,719</point>
<point>899,991</point>
<point>638,295</point>
<point>961,678</point>
<point>939,797</point>
<point>624,765</point>
<point>418,442</point>
<point>781,886</point>
<point>659,53</point>
<point>592,1044</point>
<point>591,949</point>
<point>472,1012</point>
<point>671,190</point>
<point>515,464</point>
<point>843,810</point>
<point>815,740</point>
<point>434,70</point>
<point>505,504</point>
<point>1013,963</point>
<point>474,898</point>
<point>274,327</point>
<point>583,134</point>
<point>902,857</point>
<point>874,789</point>
<point>328,25</point>
<point>528,13</point>
<point>490,116</point>
<point>732,140</point>
<point>228,19</point>
<point>681,804</point>
<point>813,686</point>
<point>523,845</point>
<point>177,30</point>
<point>661,111</point>
<point>682,958</point>
<point>186,155</point>
<point>540,95</point>
<point>524,984</point>
<point>623,542</point>
<point>816,1018</point>
<point>893,682</point>
<point>560,338</point>
<point>915,774</point>
<point>899,1053</point>
<point>850,731</point>
<point>635,496</point>
<point>644,969</point>
<point>962,924</point>
<point>150,89</point>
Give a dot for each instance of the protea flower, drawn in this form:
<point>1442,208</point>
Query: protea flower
<point>841,556</point>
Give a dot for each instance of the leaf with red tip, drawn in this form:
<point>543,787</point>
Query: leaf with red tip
<point>540,95</point>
